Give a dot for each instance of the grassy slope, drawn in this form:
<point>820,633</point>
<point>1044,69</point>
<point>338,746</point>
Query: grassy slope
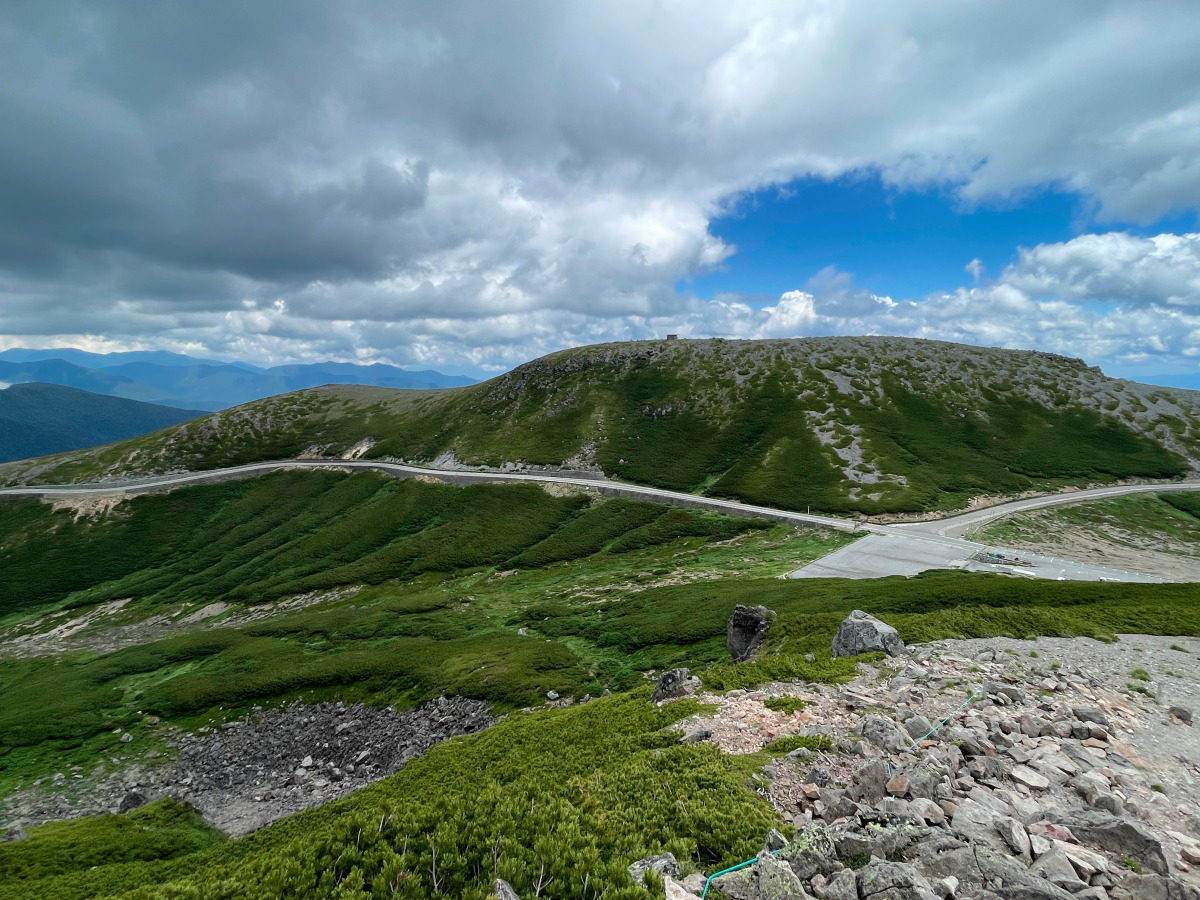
<point>1164,523</point>
<point>439,613</point>
<point>606,591</point>
<point>838,424</point>
<point>583,791</point>
<point>162,830</point>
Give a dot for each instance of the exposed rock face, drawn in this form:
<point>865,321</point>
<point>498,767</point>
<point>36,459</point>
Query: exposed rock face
<point>746,629</point>
<point>861,632</point>
<point>663,864</point>
<point>502,890</point>
<point>132,800</point>
<point>675,683</point>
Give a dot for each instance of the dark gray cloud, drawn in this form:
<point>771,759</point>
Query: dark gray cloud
<point>473,182</point>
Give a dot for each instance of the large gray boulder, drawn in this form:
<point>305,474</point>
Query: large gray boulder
<point>663,864</point>
<point>502,890</point>
<point>746,629</point>
<point>884,734</point>
<point>812,853</point>
<point>1152,887</point>
<point>881,880</point>
<point>675,683</point>
<point>1118,836</point>
<point>861,632</point>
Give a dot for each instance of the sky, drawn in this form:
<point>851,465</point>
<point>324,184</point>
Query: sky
<point>468,185</point>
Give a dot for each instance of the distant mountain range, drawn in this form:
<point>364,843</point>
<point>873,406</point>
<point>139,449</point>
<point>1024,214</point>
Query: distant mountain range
<point>39,419</point>
<point>172,379</point>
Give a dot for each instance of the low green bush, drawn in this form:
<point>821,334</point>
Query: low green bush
<point>162,830</point>
<point>786,704</point>
<point>784,745</point>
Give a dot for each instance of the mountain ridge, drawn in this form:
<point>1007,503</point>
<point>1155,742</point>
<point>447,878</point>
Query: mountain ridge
<point>37,419</point>
<point>869,424</point>
<point>176,380</point>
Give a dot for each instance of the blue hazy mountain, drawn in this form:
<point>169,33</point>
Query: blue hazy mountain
<point>172,379</point>
<point>39,419</point>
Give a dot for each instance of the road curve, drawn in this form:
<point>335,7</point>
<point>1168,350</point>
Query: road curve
<point>921,540</point>
<point>955,526</point>
<point>450,476</point>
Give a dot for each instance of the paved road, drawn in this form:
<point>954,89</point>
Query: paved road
<point>451,476</point>
<point>954,526</point>
<point>888,550</point>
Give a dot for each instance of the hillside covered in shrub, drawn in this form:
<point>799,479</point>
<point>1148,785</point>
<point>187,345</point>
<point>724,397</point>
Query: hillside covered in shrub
<point>835,424</point>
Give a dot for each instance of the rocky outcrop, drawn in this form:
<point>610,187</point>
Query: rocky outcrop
<point>861,632</point>
<point>663,864</point>
<point>746,629</point>
<point>675,683</point>
<point>980,776</point>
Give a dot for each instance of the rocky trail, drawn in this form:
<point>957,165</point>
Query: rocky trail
<point>1058,773</point>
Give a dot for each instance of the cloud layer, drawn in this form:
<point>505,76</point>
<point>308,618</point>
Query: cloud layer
<point>476,183</point>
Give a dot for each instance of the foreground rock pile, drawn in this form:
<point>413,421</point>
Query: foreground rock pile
<point>279,761</point>
<point>252,771</point>
<point>1049,780</point>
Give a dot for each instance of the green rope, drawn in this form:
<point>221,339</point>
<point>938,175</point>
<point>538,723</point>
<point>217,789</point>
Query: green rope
<point>965,704</point>
<point>740,865</point>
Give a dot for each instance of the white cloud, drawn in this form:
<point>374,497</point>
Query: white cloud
<point>412,182</point>
<point>1160,270</point>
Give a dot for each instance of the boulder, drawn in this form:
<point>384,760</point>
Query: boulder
<point>1015,836</point>
<point>1092,714</point>
<point>880,880</point>
<point>502,890</point>
<point>674,890</point>
<point>776,880</point>
<point>811,853</point>
<point>1152,887</point>
<point>869,784</point>
<point>746,629</point>
<point>918,727</point>
<point>1120,837</point>
<point>861,633</point>
<point>842,885</point>
<point>884,734</point>
<point>675,683</point>
<point>1056,868</point>
<point>662,863</point>
<point>132,800</point>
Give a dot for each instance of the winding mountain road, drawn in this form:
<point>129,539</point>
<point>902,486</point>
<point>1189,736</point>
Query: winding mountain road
<point>906,549</point>
<point>953,526</point>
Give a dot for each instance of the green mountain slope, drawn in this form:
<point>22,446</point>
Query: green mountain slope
<point>835,424</point>
<point>39,419</point>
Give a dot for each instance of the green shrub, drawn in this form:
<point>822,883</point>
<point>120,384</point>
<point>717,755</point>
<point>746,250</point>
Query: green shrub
<point>786,704</point>
<point>162,830</point>
<point>814,742</point>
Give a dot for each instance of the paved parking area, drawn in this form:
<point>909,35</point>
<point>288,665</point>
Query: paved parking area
<point>880,555</point>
